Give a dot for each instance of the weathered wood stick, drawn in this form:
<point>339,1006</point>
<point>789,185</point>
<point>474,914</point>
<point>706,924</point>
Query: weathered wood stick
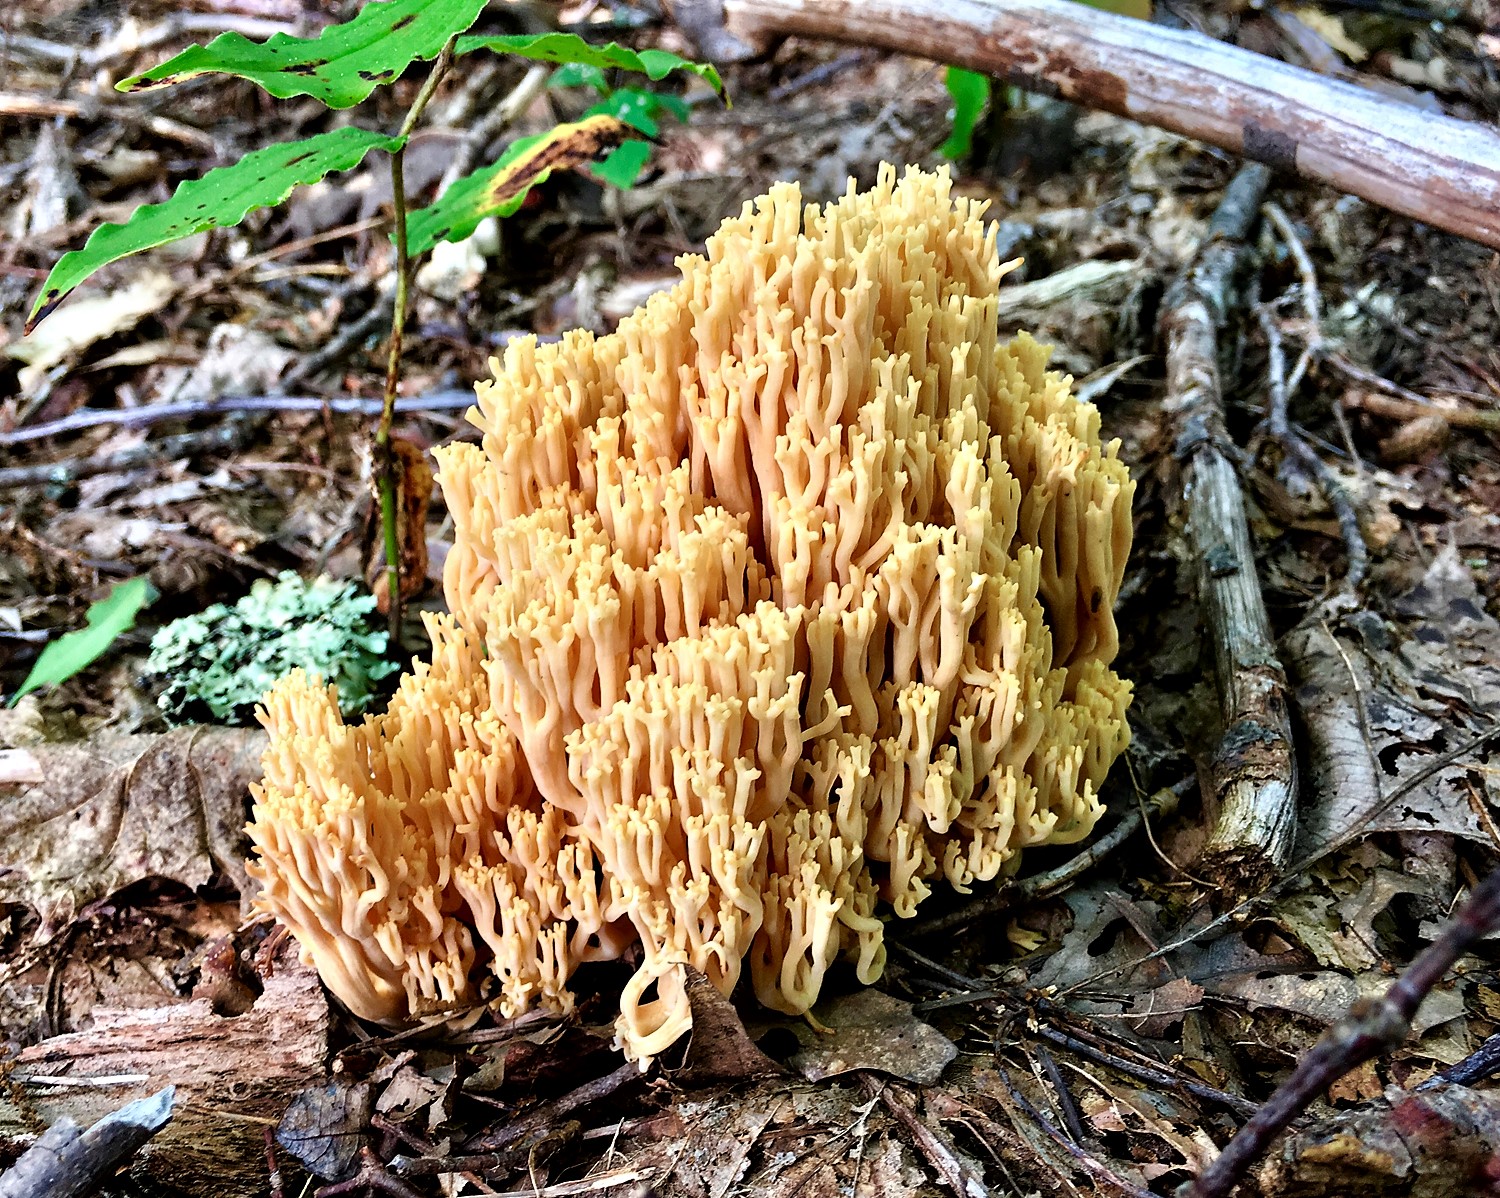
<point>1255,766</point>
<point>67,1162</point>
<point>1436,169</point>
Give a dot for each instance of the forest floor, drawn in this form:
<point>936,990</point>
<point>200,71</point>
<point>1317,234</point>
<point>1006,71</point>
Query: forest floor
<point>1047,1046</point>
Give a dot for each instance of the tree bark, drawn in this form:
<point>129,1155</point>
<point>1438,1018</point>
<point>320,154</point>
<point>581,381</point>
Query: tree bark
<point>1436,169</point>
<point>1255,766</point>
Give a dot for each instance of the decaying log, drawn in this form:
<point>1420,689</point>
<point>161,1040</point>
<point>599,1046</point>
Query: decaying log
<point>1255,770</point>
<point>1436,169</point>
<point>233,1076</point>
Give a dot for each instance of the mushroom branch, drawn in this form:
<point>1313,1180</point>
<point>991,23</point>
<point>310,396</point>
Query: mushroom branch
<point>1440,170</point>
<point>768,613</point>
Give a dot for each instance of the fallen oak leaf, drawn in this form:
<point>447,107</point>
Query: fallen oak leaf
<point>102,813</point>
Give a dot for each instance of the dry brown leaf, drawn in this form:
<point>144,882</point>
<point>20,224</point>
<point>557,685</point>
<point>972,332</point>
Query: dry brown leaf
<point>414,480</point>
<point>871,1030</point>
<point>1382,699</point>
<point>1163,1008</point>
<point>720,1049</point>
<point>105,812</point>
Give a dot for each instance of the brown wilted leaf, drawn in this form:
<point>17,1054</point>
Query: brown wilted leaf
<point>1381,699</point>
<point>414,480</point>
<point>720,1049</point>
<point>79,820</point>
<point>871,1030</point>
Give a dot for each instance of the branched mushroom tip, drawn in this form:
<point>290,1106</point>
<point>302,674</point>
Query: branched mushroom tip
<point>769,611</point>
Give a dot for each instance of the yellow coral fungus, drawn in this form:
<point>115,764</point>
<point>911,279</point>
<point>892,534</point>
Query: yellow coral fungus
<point>787,600</point>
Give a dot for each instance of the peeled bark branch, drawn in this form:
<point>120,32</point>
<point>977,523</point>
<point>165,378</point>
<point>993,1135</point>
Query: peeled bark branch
<point>1255,770</point>
<point>1436,169</point>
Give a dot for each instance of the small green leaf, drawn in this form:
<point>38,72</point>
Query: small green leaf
<point>569,48</point>
<point>74,651</point>
<point>970,91</point>
<point>623,165</point>
<point>219,199</point>
<point>500,188</point>
<point>639,109</point>
<point>579,74</point>
<point>340,67</point>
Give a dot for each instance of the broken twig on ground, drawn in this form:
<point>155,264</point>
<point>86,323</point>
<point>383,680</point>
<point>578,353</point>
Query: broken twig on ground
<point>1372,1026</point>
<point>1255,772</point>
<point>1306,462</point>
<point>66,1162</point>
<point>144,417</point>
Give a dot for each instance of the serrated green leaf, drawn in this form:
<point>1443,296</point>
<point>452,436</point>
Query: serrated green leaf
<point>570,48</point>
<point>340,67</point>
<point>500,188</point>
<point>72,652</point>
<point>623,165</point>
<point>971,92</point>
<point>219,199</point>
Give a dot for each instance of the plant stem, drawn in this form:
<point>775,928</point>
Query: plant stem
<point>385,459</point>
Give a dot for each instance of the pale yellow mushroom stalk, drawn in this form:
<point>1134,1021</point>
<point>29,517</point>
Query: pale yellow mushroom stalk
<point>771,612</point>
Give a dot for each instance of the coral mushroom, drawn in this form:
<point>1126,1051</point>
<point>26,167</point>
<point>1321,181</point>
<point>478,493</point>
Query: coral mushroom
<point>769,610</point>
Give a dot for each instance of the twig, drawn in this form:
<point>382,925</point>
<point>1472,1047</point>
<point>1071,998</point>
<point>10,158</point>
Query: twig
<point>1408,405</point>
<point>385,458</point>
<point>1016,893</point>
<point>1065,1103</point>
<point>373,1177</point>
<point>1094,1167</point>
<point>1312,305</point>
<point>1436,169</point>
<point>549,1114</point>
<point>1372,1026</point>
<point>496,122</point>
<point>934,1147</point>
<point>1283,386</point>
<point>144,417</point>
<point>1255,772</point>
<point>94,109</point>
<point>1145,1073</point>
<point>1413,402</point>
<point>67,1163</point>
<point>1308,462</point>
<point>1483,1062</point>
<point>819,75</point>
<point>226,438</point>
<point>273,1170</point>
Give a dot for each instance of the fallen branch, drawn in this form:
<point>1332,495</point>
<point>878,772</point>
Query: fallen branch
<point>194,409</point>
<point>1439,170</point>
<point>1371,1027</point>
<point>67,1163</point>
<point>1255,772</point>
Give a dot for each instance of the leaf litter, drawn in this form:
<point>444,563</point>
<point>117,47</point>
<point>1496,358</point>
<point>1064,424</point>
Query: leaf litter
<point>906,1102</point>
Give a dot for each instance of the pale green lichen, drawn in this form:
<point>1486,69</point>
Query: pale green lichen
<point>219,663</point>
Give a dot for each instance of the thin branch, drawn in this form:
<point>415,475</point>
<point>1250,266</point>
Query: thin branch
<point>1307,462</point>
<point>1372,1027</point>
<point>145,417</point>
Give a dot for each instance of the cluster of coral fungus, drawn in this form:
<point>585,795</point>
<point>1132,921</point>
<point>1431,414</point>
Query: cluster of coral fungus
<point>770,610</point>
